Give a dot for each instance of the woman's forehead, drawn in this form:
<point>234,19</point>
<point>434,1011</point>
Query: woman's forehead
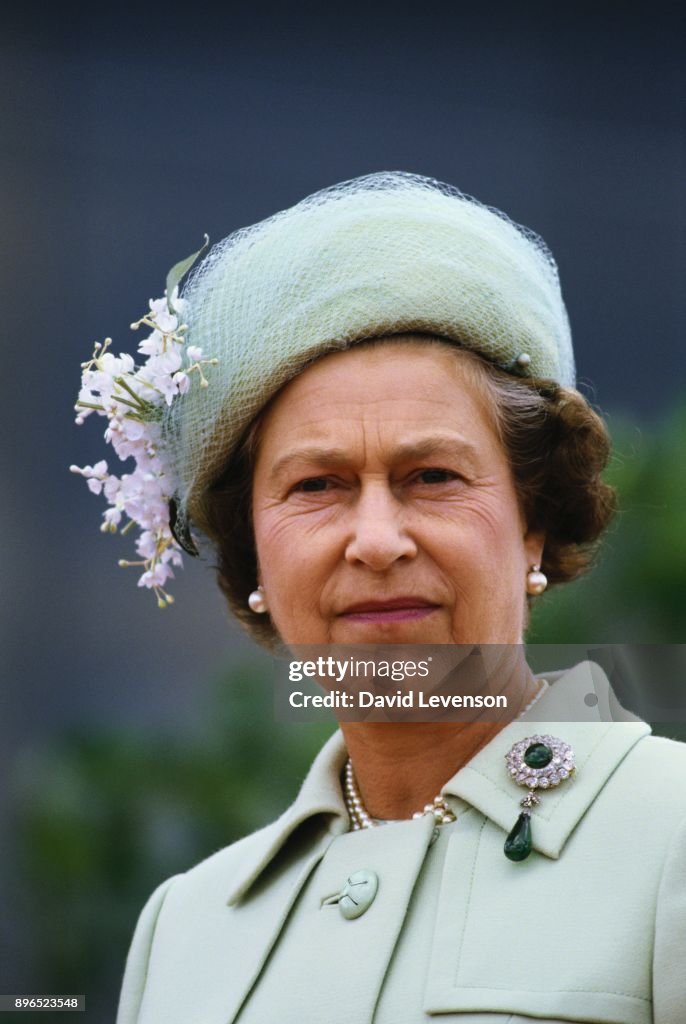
<point>389,449</point>
<point>381,374</point>
<point>404,397</point>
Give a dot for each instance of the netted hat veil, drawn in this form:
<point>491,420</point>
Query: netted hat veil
<point>383,254</point>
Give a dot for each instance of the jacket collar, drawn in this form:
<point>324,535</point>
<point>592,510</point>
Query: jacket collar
<point>599,746</point>
<point>320,795</point>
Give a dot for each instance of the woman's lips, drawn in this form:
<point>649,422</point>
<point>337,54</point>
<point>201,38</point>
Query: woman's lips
<point>395,610</point>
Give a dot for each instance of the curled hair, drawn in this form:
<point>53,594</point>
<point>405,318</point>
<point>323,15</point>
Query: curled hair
<point>557,447</point>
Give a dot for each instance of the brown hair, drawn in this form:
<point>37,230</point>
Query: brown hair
<point>557,447</point>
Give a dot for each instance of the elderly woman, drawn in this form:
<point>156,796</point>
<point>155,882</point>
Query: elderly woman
<point>391,450</point>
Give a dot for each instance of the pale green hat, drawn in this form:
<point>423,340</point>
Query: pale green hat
<point>383,254</point>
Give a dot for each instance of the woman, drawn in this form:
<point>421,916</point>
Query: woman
<point>390,450</point>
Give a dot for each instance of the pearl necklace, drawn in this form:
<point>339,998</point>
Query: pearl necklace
<point>360,817</point>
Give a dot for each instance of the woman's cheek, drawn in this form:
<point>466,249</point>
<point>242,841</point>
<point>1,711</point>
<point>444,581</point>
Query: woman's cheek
<point>290,524</point>
<point>492,517</point>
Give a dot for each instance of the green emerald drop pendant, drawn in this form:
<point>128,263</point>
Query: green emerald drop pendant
<point>537,763</point>
<point>518,843</point>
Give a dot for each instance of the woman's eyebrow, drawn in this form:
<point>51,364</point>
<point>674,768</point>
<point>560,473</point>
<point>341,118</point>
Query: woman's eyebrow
<point>433,445</point>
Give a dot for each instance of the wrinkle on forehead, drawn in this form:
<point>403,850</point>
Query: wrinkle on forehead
<point>321,403</point>
<point>406,450</point>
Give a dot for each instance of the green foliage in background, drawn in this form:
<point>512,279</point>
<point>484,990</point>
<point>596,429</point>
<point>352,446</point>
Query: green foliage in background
<point>637,591</point>
<point>106,817</point>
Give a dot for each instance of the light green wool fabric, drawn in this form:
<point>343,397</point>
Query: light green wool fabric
<point>590,928</point>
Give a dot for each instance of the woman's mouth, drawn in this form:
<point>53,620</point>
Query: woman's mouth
<point>391,610</point>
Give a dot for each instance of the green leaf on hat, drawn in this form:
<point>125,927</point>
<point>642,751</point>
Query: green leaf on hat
<point>180,269</point>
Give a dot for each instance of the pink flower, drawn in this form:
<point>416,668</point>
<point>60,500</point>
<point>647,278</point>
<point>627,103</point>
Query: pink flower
<point>132,398</point>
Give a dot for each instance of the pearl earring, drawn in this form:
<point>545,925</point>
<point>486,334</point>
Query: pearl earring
<point>536,581</point>
<point>257,601</point>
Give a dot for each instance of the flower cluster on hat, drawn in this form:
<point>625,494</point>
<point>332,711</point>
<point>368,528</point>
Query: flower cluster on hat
<point>133,399</point>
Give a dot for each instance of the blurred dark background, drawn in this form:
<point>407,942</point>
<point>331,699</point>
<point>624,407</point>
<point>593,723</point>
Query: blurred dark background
<point>134,742</point>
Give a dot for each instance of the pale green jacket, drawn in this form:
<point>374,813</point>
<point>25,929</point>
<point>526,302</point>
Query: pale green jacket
<point>591,927</point>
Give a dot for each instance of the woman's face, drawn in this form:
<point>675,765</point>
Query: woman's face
<point>384,508</point>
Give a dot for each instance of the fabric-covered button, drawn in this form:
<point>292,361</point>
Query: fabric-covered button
<point>356,896</point>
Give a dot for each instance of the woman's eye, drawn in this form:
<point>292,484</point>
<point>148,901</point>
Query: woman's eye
<point>315,483</point>
<point>436,476</point>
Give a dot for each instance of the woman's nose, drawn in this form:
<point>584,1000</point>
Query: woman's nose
<point>378,535</point>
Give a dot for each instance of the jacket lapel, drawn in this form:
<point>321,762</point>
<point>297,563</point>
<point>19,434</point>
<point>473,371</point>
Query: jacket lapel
<point>307,829</point>
<point>320,794</point>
